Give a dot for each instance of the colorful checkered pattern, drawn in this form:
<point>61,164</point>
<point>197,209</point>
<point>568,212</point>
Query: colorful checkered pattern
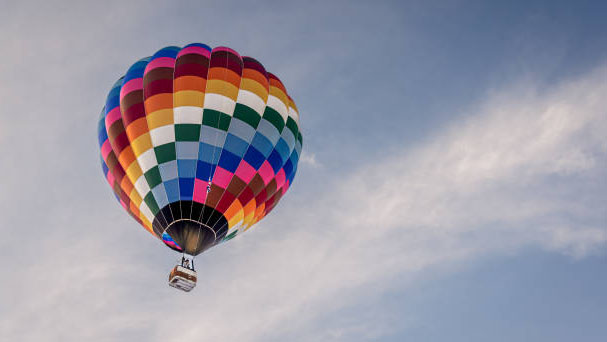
<point>193,133</point>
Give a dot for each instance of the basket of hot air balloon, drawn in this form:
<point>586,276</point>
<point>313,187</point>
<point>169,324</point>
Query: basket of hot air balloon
<point>198,145</point>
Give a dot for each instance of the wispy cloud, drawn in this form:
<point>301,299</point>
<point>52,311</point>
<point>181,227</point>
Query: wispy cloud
<point>522,169</point>
<point>309,158</point>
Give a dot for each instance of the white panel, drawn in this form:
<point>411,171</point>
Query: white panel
<point>163,135</point>
<point>278,106</point>
<point>142,186</point>
<point>219,103</point>
<point>147,160</point>
<point>188,115</point>
<point>294,114</point>
<point>145,210</point>
<point>250,99</point>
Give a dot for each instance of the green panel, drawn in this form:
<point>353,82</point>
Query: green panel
<point>300,138</point>
<point>292,125</point>
<point>151,202</point>
<point>231,236</point>
<point>246,114</point>
<point>153,177</point>
<point>165,153</point>
<point>187,132</point>
<point>216,119</point>
<point>274,118</point>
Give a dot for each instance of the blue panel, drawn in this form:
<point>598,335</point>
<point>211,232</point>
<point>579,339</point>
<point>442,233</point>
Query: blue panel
<point>204,46</point>
<point>160,195</point>
<point>289,138</point>
<point>186,168</point>
<point>208,153</point>
<point>168,170</point>
<point>268,130</point>
<point>229,161</point>
<point>275,161</point>
<point>283,149</point>
<point>186,149</point>
<point>204,170</point>
<point>102,136</point>
<point>136,70</point>
<point>104,167</point>
<point>262,144</point>
<point>241,129</point>
<point>172,189</point>
<point>169,51</point>
<point>186,187</point>
<point>235,145</point>
<point>212,136</point>
<point>288,168</point>
<point>254,157</point>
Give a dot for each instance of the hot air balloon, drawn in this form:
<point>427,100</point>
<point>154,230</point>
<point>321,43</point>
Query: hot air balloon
<point>198,145</point>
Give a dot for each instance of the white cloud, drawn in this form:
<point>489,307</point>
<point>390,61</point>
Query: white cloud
<point>309,158</point>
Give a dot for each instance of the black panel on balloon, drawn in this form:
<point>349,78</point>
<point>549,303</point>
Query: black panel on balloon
<point>158,228</point>
<point>221,231</point>
<point>197,210</point>
<point>186,209</point>
<point>176,210</point>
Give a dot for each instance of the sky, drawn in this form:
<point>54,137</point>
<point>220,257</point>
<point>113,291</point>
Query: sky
<point>452,185</point>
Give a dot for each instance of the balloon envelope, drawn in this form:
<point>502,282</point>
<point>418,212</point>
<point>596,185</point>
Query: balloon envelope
<point>198,144</point>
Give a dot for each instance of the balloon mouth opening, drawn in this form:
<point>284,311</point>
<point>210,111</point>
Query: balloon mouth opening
<point>189,236</point>
<point>189,227</point>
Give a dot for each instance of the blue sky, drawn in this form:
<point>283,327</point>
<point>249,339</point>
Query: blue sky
<point>452,185</point>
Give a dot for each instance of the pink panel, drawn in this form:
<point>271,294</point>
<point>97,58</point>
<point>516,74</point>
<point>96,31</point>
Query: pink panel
<point>106,148</point>
<point>245,171</point>
<point>111,179</point>
<point>112,116</point>
<point>222,177</point>
<point>280,178</point>
<point>285,187</point>
<point>194,49</point>
<point>134,84</point>
<point>160,62</point>
<point>266,172</point>
<point>200,190</point>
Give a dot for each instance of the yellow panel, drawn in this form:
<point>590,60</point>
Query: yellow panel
<point>222,88</point>
<point>254,87</point>
<point>135,198</point>
<point>237,217</point>
<point>141,144</point>
<point>275,91</point>
<point>160,118</point>
<point>146,224</point>
<point>134,172</point>
<point>189,98</point>
<point>249,212</point>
